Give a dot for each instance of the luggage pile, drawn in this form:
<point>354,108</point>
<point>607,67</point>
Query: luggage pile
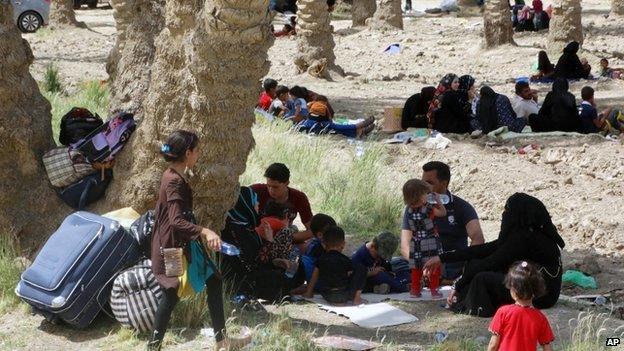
<point>81,170</point>
<point>91,264</point>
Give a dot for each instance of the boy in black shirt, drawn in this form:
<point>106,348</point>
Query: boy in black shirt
<point>339,280</point>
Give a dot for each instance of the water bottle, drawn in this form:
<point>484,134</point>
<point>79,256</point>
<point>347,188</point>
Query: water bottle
<point>444,199</point>
<point>229,249</point>
<point>294,263</point>
<point>359,149</point>
<point>600,300</point>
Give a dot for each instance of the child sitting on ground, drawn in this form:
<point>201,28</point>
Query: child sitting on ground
<point>267,96</point>
<point>318,225</point>
<point>375,256</point>
<point>606,71</point>
<point>282,104</point>
<point>340,281</point>
<point>419,237</point>
<point>609,121</point>
<point>276,234</point>
<point>521,326</point>
<point>300,110</point>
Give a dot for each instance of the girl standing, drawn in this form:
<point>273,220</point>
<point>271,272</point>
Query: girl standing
<point>174,228</point>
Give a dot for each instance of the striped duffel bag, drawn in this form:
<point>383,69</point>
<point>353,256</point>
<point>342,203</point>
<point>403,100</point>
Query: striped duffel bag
<point>135,297</point>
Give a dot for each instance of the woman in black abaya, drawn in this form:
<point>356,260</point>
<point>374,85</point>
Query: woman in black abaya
<point>527,234</point>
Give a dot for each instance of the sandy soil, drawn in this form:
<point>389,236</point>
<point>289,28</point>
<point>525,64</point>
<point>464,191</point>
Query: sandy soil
<point>579,179</point>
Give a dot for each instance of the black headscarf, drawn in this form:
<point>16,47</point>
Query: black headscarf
<point>486,109</point>
<point>569,65</point>
<point>416,107</point>
<point>543,63</point>
<point>466,82</point>
<point>244,211</point>
<point>527,214</point>
<point>559,112</point>
<point>447,80</point>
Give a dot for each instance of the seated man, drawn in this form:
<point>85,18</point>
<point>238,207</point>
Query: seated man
<point>461,221</point>
<point>525,101</point>
<point>276,188</point>
<point>267,96</point>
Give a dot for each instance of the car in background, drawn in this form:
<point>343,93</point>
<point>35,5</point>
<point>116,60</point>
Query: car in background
<point>30,15</point>
<point>92,4</point>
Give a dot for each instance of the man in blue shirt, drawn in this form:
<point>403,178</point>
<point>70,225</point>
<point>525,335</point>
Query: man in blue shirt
<point>461,221</point>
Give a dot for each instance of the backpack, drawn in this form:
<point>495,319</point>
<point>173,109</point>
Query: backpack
<point>77,124</point>
<point>105,142</point>
<point>86,191</point>
<point>135,296</point>
<point>142,229</point>
<point>66,166</point>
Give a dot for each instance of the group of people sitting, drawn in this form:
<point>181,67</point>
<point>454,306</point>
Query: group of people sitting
<point>276,259</point>
<point>527,18</point>
<point>309,111</point>
<point>569,65</point>
<point>456,107</point>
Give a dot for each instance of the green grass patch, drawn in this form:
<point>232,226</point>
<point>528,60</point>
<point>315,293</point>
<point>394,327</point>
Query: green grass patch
<point>351,189</point>
<point>9,274</point>
<point>51,80</point>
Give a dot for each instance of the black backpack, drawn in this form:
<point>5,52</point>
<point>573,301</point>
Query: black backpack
<point>77,124</point>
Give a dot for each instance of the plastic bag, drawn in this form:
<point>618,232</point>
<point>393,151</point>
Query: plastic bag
<point>579,278</point>
<point>448,5</point>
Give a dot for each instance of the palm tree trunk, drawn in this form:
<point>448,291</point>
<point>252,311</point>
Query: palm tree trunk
<point>129,63</point>
<point>617,7</point>
<point>388,15</point>
<point>497,25</point>
<point>30,209</point>
<point>315,42</point>
<point>62,14</point>
<point>209,56</point>
<point>565,25</point>
<point>361,11</point>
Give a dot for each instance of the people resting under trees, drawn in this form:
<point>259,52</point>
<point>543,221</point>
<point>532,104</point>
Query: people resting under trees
<point>609,121</point>
<point>570,66</point>
<point>545,69</point>
<point>414,113</point>
<point>606,71</point>
<point>448,82</point>
<point>558,112</point>
<point>455,110</point>
<point>318,122</point>
<point>495,111</point>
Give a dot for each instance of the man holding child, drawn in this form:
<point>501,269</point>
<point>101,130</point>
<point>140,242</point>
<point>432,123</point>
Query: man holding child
<point>460,222</point>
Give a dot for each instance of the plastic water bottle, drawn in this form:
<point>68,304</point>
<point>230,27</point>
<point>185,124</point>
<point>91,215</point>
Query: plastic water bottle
<point>600,300</point>
<point>294,263</point>
<point>229,249</point>
<point>359,149</point>
<point>444,199</point>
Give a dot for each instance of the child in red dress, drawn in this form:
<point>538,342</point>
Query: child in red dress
<point>521,326</point>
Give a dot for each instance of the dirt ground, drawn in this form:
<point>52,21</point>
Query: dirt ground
<point>579,179</point>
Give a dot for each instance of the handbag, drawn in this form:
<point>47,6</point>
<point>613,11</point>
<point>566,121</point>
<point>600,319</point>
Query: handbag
<point>65,166</point>
<point>174,256</point>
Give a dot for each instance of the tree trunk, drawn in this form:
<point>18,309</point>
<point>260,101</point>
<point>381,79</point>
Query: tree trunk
<point>466,3</point>
<point>565,25</point>
<point>62,14</point>
<point>208,56</point>
<point>388,15</point>
<point>130,61</point>
<point>617,7</point>
<point>497,25</point>
<point>30,209</point>
<point>315,42</point>
<point>362,10</point>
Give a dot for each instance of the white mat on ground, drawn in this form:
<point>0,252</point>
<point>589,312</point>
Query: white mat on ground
<point>371,316</point>
<point>503,133</point>
<point>374,298</point>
